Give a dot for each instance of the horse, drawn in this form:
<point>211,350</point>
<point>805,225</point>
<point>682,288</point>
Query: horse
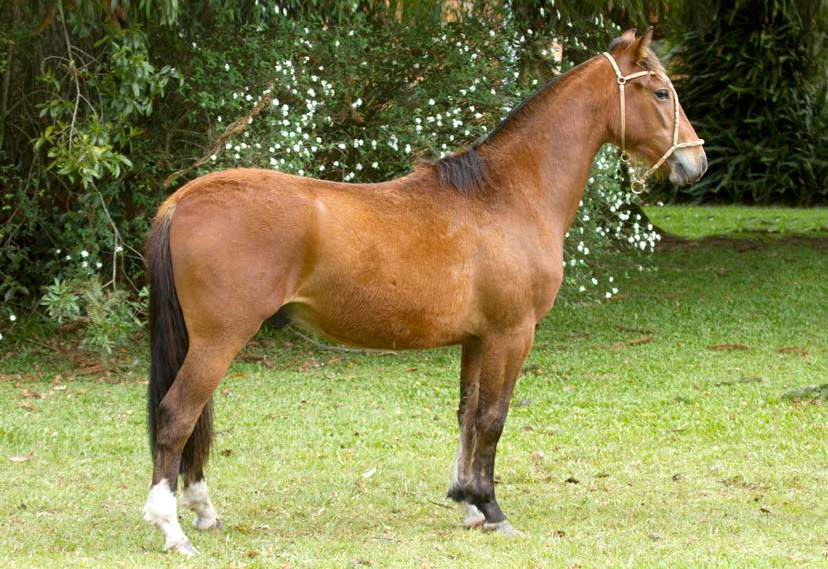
<point>465,250</point>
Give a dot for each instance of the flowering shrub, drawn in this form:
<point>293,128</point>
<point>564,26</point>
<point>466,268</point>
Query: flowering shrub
<point>110,315</point>
<point>363,105</point>
<point>359,102</point>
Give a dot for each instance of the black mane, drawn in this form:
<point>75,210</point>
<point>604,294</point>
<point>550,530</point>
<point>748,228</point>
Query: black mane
<point>466,170</point>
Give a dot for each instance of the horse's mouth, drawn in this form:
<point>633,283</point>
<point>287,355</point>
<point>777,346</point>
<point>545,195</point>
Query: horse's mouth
<point>684,172</point>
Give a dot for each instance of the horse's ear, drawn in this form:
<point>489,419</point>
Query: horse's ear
<point>641,46</point>
<point>623,41</point>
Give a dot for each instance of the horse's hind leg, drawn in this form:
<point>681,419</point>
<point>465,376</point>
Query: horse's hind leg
<point>197,498</point>
<point>195,495</point>
<point>205,364</point>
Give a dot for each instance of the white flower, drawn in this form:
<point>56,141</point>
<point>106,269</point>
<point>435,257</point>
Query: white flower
<point>227,67</point>
<point>84,264</point>
<point>118,249</point>
<point>374,165</point>
<point>12,317</point>
<point>98,265</point>
<point>84,253</point>
<point>431,102</point>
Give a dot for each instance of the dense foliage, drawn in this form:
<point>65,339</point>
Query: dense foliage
<point>105,101</point>
<point>752,76</point>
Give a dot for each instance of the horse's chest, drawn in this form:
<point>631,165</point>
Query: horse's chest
<point>521,287</point>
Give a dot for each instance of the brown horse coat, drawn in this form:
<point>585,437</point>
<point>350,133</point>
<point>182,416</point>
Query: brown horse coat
<point>467,250</point>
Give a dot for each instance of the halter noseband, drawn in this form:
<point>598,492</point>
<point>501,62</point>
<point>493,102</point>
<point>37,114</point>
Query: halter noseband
<point>638,183</point>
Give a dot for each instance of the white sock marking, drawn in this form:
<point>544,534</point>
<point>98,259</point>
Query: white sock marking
<point>474,517</point>
<point>197,498</point>
<point>160,510</point>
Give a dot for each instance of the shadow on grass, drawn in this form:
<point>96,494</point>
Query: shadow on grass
<point>742,241</point>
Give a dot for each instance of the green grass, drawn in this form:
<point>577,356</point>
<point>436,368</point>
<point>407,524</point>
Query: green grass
<point>735,221</point>
<point>685,456</point>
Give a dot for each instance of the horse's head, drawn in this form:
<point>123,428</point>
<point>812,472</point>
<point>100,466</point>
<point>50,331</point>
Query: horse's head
<point>648,119</point>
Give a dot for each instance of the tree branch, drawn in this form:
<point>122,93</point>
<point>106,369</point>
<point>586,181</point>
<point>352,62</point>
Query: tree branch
<point>237,127</point>
<point>4,96</point>
<point>73,71</point>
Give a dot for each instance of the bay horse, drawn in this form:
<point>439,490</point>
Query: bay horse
<point>465,250</point>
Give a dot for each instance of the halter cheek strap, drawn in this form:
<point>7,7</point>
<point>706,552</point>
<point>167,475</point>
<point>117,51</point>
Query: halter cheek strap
<point>638,183</point>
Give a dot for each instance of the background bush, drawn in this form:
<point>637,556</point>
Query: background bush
<point>752,76</point>
<point>105,101</point>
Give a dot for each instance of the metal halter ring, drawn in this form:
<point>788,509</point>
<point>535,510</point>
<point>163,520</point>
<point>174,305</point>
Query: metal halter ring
<point>638,186</point>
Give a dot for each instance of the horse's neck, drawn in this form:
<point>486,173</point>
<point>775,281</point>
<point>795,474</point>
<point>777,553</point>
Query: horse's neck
<point>546,159</point>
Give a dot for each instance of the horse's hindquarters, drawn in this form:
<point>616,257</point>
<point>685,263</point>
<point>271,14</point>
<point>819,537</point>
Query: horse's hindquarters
<point>357,269</point>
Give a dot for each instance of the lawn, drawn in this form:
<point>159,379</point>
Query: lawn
<point>650,431</point>
<point>735,221</point>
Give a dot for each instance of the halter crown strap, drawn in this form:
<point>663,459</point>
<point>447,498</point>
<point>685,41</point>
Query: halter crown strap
<point>622,81</point>
<point>638,183</point>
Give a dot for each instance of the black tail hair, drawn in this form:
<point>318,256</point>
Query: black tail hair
<point>168,346</point>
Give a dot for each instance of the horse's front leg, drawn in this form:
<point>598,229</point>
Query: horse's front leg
<point>461,474</point>
<point>501,356</point>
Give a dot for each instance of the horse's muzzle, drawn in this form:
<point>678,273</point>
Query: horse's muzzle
<point>687,166</point>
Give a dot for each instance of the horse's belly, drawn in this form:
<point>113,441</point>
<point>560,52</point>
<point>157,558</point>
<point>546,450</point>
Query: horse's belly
<point>381,321</point>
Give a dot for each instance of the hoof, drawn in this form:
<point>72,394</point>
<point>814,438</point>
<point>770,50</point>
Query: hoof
<point>185,548</point>
<point>474,517</point>
<point>206,524</point>
<point>501,528</point>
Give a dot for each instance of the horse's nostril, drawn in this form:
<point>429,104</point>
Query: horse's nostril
<point>703,168</point>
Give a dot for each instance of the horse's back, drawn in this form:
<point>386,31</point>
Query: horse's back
<point>383,265</point>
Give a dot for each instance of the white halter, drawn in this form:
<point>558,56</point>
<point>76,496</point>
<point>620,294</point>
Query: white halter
<point>637,184</point>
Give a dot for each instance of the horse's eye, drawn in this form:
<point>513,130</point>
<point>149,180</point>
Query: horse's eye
<point>662,94</point>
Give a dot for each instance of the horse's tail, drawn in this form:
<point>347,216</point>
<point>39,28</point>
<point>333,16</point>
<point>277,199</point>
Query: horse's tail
<point>168,345</point>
